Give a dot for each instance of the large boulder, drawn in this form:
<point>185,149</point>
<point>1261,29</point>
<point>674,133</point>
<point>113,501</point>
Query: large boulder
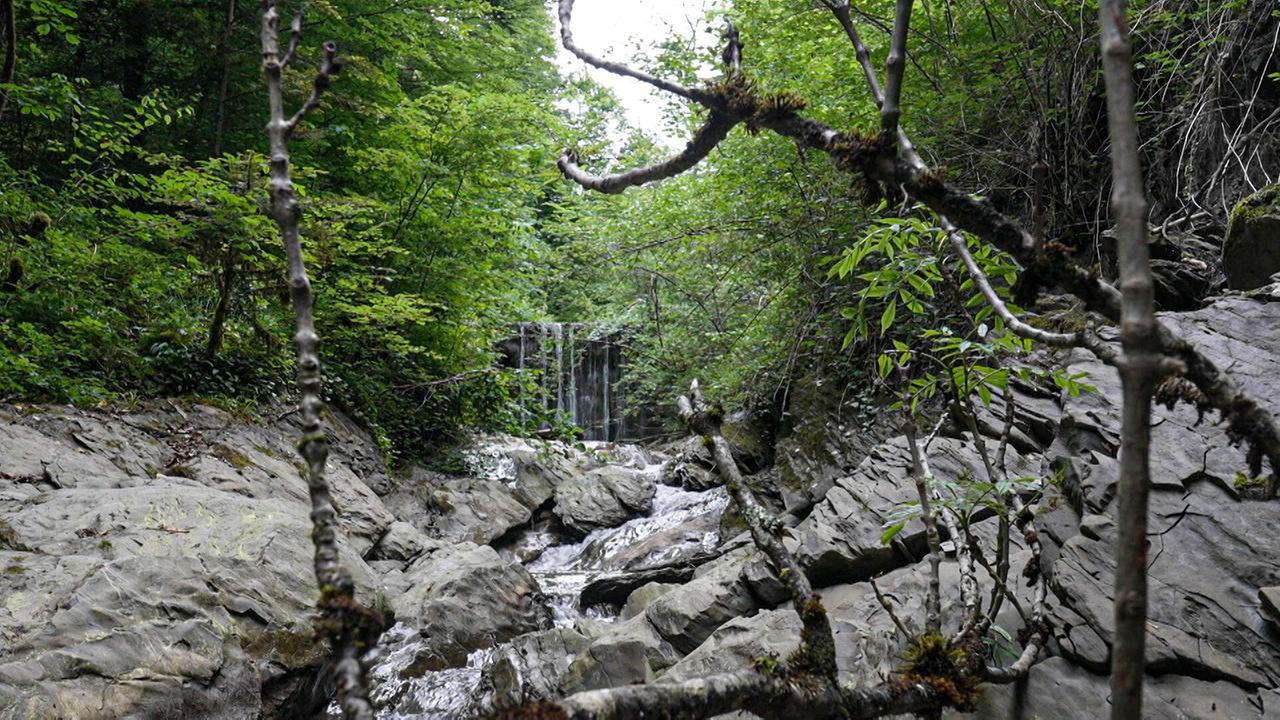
<point>139,600</point>
<point>465,597</point>
<point>603,498</point>
<point>1251,252</point>
<point>158,562</point>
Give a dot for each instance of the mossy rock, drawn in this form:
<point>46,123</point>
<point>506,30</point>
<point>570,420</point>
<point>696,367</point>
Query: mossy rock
<point>1251,252</point>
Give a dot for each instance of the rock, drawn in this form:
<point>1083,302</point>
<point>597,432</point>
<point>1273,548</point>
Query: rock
<point>688,615</point>
<point>840,540</point>
<point>529,668</point>
<point>642,597</point>
<point>163,592</point>
<point>824,435</point>
<point>1178,285</point>
<point>158,562</point>
<point>1270,599</point>
<point>402,542</point>
<point>1205,569</point>
<point>458,509</point>
<point>615,587</point>
<point>602,498</point>
<point>465,597</point>
<point>1251,252</point>
<point>1057,690</point>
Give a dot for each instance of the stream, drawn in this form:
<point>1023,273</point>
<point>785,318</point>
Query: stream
<point>562,569</point>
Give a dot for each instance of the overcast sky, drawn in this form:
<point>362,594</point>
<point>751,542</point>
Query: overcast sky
<point>614,29</point>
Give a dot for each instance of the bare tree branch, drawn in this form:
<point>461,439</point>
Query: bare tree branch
<point>703,142</point>
<point>895,67</point>
<point>920,473</point>
<point>566,38</point>
<point>329,67</point>
<point>352,628</point>
<point>1140,366</point>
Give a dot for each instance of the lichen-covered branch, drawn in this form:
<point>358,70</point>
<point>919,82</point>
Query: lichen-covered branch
<point>920,474</point>
<point>351,628</point>
<point>769,695</point>
<point>817,645</point>
<point>699,146</point>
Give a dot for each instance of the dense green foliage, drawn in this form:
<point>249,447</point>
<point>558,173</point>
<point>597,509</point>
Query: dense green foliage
<point>140,260</point>
<point>137,258</point>
<point>765,265</point>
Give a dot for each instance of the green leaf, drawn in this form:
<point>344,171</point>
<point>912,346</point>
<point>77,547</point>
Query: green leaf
<point>886,319</point>
<point>891,532</point>
<point>885,365</point>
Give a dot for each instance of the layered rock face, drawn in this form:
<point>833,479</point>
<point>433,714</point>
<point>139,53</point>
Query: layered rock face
<point>156,562</point>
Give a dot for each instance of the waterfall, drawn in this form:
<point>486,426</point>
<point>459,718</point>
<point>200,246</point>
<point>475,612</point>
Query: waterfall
<point>579,378</point>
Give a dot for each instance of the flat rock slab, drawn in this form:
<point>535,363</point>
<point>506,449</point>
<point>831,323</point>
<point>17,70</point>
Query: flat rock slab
<point>840,541</point>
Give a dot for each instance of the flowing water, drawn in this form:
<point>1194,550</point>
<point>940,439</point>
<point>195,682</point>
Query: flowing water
<point>562,569</point>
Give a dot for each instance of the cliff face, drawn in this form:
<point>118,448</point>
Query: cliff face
<point>156,561</point>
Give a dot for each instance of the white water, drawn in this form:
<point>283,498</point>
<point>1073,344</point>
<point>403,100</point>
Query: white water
<point>562,570</point>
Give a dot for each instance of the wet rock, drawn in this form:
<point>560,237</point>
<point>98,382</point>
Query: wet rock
<point>642,597</point>
<point>529,668</point>
<point>602,498</point>
<point>616,587</point>
<point>465,597</point>
<point>688,615</point>
<point>1251,252</point>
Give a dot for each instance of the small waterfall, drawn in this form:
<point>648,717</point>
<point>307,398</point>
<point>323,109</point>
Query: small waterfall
<point>580,378</point>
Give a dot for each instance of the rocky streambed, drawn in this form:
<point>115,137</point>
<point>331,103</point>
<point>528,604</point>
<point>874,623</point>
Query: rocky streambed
<point>155,560</point>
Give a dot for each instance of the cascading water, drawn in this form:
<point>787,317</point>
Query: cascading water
<point>562,569</point>
<point>580,373</point>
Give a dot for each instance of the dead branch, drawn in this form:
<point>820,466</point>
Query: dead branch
<point>1140,367</point>
<point>817,645</point>
<point>763,693</point>
<point>566,38</point>
<point>351,628</point>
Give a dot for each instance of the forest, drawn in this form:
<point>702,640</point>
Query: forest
<point>374,359</point>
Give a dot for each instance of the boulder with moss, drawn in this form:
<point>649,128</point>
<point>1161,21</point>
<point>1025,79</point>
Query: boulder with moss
<point>1251,252</point>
